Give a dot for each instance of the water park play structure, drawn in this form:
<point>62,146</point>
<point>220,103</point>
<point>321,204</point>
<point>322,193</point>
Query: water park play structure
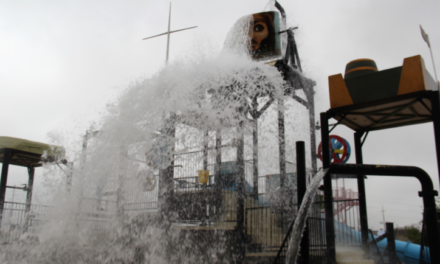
<point>201,191</point>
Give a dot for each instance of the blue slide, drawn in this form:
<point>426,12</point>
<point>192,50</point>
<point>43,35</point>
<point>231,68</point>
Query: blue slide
<point>408,253</point>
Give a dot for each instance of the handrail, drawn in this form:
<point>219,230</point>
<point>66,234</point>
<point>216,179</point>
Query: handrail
<point>286,238</point>
<point>375,244</point>
<point>428,193</point>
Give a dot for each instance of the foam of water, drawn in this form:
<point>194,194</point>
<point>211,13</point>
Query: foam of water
<point>206,94</point>
<point>86,226</point>
<point>300,220</point>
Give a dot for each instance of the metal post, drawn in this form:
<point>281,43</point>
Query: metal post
<point>4,178</point>
<point>281,144</point>
<point>171,135</point>
<point>204,186</point>
<point>282,158</point>
<point>166,175</point>
<point>362,194</point>
<point>205,150</point>
<point>255,156</point>
<point>329,221</point>
<point>218,172</point>
<point>240,195</point>
<point>301,177</point>
<point>31,172</point>
<point>431,223</point>
<point>422,242</point>
<point>435,105</point>
<point>393,259</point>
<point>310,94</point>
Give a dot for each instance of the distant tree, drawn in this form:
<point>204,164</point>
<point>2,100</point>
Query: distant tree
<point>413,234</point>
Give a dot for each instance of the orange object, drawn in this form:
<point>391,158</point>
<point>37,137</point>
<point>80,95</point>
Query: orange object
<point>203,176</point>
<point>339,95</point>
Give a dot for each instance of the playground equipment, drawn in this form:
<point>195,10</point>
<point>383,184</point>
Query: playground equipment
<point>368,100</point>
<point>29,154</point>
<point>228,208</point>
<point>340,150</point>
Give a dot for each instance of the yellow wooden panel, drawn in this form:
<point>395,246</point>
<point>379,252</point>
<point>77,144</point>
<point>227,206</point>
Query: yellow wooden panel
<point>339,95</point>
<point>412,78</point>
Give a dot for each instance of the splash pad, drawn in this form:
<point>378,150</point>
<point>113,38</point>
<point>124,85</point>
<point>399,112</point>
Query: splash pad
<point>136,196</point>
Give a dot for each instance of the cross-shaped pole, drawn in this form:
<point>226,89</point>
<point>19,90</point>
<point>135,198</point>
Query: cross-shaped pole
<point>168,33</point>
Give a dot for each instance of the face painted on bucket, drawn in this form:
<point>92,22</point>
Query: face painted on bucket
<point>258,31</point>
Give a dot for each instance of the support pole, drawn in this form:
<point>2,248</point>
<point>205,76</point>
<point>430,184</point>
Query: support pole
<point>282,159</point>
<point>4,178</point>
<point>329,220</point>
<point>30,187</point>
<point>362,195</point>
<point>31,172</point>
<point>310,94</point>
<point>240,195</point>
<point>435,105</point>
<point>205,150</point>
<point>205,214</point>
<point>281,144</point>
<point>301,177</point>
<point>218,173</point>
<point>255,157</point>
<point>166,175</point>
<point>391,246</point>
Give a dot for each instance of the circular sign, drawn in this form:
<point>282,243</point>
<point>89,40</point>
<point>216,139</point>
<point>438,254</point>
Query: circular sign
<point>148,180</point>
<point>158,156</point>
<point>339,150</point>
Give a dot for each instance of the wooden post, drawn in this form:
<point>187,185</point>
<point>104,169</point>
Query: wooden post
<point>4,178</point>
<point>240,194</point>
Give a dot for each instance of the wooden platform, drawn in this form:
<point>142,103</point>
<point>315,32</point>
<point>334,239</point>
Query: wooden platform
<point>402,110</point>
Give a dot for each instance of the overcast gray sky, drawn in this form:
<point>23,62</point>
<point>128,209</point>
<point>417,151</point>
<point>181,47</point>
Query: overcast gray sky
<point>61,62</point>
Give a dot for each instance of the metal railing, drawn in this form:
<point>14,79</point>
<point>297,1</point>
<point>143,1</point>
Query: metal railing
<point>141,207</point>
<point>16,220</point>
<point>347,226</point>
<point>347,223</point>
<point>214,201</point>
<point>344,194</point>
<point>264,229</point>
<point>317,240</point>
<point>186,165</point>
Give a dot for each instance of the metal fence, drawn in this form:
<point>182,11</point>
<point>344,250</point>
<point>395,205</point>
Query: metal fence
<point>317,239</point>
<point>345,194</point>
<point>16,220</point>
<point>347,226</point>
<point>187,165</point>
<point>141,207</point>
<point>214,201</point>
<point>347,223</point>
<point>264,229</point>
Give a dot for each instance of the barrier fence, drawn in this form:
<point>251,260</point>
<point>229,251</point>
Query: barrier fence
<point>16,219</point>
<point>347,228</point>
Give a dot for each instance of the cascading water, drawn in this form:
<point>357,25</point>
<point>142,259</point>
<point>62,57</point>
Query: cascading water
<point>134,123</point>
<point>300,220</point>
<point>115,211</point>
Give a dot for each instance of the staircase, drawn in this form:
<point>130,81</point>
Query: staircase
<point>351,256</point>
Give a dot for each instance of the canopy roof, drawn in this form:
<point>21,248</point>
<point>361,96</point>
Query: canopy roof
<point>29,153</point>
